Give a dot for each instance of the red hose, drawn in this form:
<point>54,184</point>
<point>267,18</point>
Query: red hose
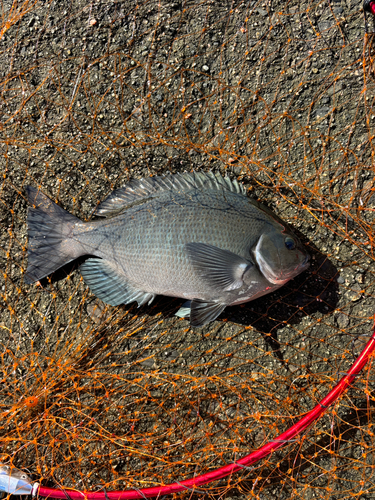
<point>193,483</point>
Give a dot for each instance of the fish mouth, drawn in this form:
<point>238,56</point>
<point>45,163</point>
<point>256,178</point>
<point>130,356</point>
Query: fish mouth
<point>306,263</point>
<point>268,273</point>
<point>266,270</point>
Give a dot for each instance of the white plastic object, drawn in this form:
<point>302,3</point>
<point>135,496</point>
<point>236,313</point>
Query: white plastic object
<point>14,481</point>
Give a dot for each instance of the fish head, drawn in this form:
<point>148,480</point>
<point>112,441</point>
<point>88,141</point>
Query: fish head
<point>280,256</point>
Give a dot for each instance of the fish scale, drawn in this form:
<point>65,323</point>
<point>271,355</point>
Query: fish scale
<point>156,258</point>
<point>196,236</point>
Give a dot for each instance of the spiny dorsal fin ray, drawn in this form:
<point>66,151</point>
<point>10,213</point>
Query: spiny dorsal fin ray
<point>142,189</point>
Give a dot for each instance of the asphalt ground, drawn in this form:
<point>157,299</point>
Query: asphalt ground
<point>280,96</point>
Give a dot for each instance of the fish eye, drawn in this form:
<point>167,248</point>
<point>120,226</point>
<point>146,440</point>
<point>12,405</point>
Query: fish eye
<point>290,243</point>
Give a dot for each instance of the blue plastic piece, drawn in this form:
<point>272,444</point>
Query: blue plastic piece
<point>14,481</point>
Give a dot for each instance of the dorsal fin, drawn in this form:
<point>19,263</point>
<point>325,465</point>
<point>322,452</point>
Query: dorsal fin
<point>139,190</point>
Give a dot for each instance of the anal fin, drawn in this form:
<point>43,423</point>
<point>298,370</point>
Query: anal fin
<point>107,284</point>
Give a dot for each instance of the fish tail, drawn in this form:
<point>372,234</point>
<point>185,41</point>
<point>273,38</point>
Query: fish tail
<point>49,232</point>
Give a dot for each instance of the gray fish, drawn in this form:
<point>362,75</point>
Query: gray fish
<point>196,236</point>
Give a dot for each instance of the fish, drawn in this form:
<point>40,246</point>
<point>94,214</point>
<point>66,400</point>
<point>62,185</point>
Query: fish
<point>196,236</point>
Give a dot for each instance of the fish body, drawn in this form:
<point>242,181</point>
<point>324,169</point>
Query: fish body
<point>196,236</point>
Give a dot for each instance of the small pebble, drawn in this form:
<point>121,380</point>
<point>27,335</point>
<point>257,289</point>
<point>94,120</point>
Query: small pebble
<point>342,320</point>
<point>354,294</point>
<point>359,278</point>
<point>95,311</point>
<point>359,343</point>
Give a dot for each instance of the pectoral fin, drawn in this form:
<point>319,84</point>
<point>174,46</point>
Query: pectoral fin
<point>220,268</point>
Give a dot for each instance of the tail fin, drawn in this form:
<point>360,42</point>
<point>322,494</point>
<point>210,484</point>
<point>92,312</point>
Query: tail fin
<point>49,229</point>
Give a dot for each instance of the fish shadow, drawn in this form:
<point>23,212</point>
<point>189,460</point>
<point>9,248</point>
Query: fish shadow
<point>314,292</point>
